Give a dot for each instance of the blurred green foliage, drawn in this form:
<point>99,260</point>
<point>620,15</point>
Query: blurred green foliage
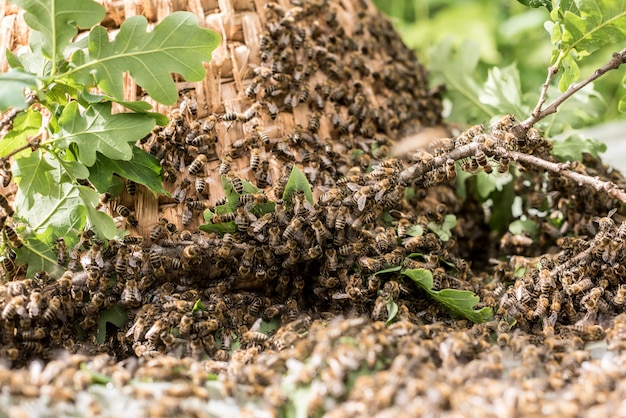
<point>503,33</point>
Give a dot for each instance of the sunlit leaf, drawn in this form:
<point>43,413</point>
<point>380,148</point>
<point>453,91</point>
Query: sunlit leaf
<point>32,174</point>
<point>415,231</point>
<point>100,222</point>
<point>97,130</point>
<point>175,45</point>
<point>297,183</point>
<point>12,86</point>
<point>26,124</point>
<point>503,91</point>
<point>39,255</point>
<point>143,168</point>
<point>58,20</point>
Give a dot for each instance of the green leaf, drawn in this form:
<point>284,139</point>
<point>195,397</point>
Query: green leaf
<point>527,226</point>
<point>268,327</point>
<point>198,306</point>
<point>485,185</point>
<point>25,124</point>
<point>12,86</point>
<point>61,208</point>
<point>569,73</point>
<point>96,377</point>
<point>39,256</point>
<point>100,222</point>
<point>456,68</point>
<point>389,270</point>
<point>591,24</point>
<point>57,20</point>
<point>392,311</point>
<point>415,231</point>
<point>297,182</point>
<point>572,148</point>
<point>98,130</point>
<point>13,60</point>
<point>143,168</point>
<point>175,45</point>
<point>537,3</point>
<point>444,231</point>
<point>115,315</point>
<point>221,228</point>
<point>457,302</point>
<point>32,174</point>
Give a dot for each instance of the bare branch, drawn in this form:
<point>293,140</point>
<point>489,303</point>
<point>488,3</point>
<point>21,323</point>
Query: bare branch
<point>617,59</point>
<point>417,170</point>
<point>544,92</point>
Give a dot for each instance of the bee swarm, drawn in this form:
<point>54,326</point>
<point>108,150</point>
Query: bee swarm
<point>320,90</point>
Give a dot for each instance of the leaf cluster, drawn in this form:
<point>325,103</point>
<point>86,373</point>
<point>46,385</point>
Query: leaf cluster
<point>458,302</point>
<point>67,145</point>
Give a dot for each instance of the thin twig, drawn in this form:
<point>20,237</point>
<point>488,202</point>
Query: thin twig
<point>417,170</point>
<point>617,59</point>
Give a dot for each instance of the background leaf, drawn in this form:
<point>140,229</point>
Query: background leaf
<point>573,147</point>
<point>175,45</point>
<point>57,20</point>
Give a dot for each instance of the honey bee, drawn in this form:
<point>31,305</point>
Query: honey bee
<point>451,170</point>
<point>34,304</point>
<point>481,159</point>
<point>235,182</point>
<point>131,295</point>
<point>620,296</point>
<point>262,175</point>
<point>503,166</point>
<point>314,122</point>
<point>272,109</point>
<point>579,286</point>
<point>224,218</point>
<point>546,281</point>
<point>541,308</point>
<point>61,251</point>
<point>292,229</point>
<point>12,236</point>
<point>197,164</point>
<point>14,306</point>
<point>159,230</point>
<point>180,193</point>
<point>52,311</point>
<point>187,215</point>
<point>192,254</point>
<point>4,203</point>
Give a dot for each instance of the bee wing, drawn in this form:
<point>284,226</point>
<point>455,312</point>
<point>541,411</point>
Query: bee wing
<point>354,187</point>
<point>361,201</point>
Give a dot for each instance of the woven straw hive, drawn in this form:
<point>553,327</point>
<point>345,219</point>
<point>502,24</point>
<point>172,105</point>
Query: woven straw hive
<point>280,64</point>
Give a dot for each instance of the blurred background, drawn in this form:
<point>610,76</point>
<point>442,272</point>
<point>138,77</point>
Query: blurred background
<point>506,33</point>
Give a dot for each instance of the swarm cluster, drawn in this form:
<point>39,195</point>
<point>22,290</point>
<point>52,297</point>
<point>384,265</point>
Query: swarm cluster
<point>311,265</point>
